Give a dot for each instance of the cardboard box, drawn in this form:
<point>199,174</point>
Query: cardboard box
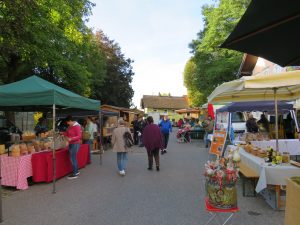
<point>292,215</point>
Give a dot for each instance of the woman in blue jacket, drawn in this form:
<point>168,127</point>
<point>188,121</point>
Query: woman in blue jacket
<point>165,128</point>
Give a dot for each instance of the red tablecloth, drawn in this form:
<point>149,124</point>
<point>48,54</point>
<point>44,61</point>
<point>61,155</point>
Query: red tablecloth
<point>42,163</point>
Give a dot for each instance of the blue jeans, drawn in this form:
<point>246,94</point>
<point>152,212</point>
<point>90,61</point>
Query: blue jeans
<point>73,149</point>
<point>206,141</point>
<point>122,160</point>
<point>90,143</point>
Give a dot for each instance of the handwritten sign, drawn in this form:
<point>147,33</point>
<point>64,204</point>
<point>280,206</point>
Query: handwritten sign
<point>218,142</point>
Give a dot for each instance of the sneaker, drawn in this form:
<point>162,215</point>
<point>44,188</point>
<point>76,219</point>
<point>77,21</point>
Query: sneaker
<point>72,176</point>
<point>149,168</point>
<point>157,168</point>
<point>77,173</point>
<point>122,173</point>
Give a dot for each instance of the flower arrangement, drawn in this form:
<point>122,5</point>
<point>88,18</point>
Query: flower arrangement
<point>221,177</point>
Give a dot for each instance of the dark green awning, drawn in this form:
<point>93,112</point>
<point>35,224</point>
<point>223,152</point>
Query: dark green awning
<point>34,93</point>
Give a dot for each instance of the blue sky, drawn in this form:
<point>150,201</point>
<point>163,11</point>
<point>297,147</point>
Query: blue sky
<point>155,34</point>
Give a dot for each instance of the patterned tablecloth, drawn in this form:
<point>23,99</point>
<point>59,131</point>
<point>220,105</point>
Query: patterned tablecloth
<point>15,171</point>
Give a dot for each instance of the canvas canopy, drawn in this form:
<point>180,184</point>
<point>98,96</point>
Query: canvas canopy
<point>269,29</point>
<point>259,88</point>
<point>34,93</point>
<point>281,86</point>
<point>262,106</point>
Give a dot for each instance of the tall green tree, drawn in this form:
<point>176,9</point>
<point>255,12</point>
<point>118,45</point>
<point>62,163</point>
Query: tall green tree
<point>45,37</point>
<point>116,88</point>
<point>213,64</point>
<point>196,98</point>
<point>49,38</point>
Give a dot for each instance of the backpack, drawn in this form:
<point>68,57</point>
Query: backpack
<point>128,141</point>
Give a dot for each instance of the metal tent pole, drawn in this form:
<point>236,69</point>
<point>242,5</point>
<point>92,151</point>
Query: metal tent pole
<point>1,217</point>
<point>100,138</point>
<point>295,119</point>
<point>53,150</point>
<point>276,118</point>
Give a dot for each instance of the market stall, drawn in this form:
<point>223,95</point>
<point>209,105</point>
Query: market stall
<point>265,87</point>
<point>42,164</point>
<point>261,140</point>
<point>35,94</point>
<point>272,178</point>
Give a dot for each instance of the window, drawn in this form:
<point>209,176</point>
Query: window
<point>237,117</point>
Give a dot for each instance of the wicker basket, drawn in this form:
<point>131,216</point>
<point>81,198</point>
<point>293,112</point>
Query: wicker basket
<point>28,138</point>
<point>223,197</point>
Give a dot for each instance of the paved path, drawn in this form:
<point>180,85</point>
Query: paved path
<point>173,196</point>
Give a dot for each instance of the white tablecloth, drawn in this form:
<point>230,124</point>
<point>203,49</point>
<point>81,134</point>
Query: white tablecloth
<point>275,175</point>
<point>285,145</point>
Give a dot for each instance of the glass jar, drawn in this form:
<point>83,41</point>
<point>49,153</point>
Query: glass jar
<point>285,157</point>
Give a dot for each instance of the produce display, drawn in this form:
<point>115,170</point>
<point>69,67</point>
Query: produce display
<point>28,135</point>
<point>255,150</point>
<point>269,154</point>
<point>31,144</point>
<point>248,137</point>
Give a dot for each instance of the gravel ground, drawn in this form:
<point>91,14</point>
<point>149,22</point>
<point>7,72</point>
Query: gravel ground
<point>172,196</point>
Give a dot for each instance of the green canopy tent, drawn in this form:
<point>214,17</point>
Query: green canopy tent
<point>35,94</point>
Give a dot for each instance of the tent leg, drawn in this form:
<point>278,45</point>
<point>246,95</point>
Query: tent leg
<point>53,151</point>
<point>100,138</point>
<point>295,119</point>
<point>276,118</point>
<point>1,218</point>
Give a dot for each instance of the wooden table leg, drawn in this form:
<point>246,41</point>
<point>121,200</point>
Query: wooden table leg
<point>278,196</point>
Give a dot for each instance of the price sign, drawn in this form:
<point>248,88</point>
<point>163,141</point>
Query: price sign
<point>218,142</point>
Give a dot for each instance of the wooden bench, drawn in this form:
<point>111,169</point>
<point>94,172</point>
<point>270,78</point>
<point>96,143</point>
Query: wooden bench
<point>248,174</point>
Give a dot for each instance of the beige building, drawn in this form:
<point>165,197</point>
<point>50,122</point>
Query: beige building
<point>164,105</point>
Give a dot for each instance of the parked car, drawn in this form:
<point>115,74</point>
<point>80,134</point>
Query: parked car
<point>238,121</point>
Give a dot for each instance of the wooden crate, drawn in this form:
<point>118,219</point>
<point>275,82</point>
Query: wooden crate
<point>292,209</point>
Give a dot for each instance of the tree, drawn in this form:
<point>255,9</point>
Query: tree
<point>196,98</point>
<point>214,65</point>
<point>116,88</point>
<point>49,38</point>
<point>45,38</point>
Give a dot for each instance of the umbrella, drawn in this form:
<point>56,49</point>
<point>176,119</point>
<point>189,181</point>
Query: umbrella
<point>269,29</point>
<point>281,86</point>
<point>210,111</point>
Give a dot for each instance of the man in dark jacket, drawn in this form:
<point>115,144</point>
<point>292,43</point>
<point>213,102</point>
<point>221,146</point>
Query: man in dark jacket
<point>251,124</point>
<point>152,140</point>
<point>135,124</point>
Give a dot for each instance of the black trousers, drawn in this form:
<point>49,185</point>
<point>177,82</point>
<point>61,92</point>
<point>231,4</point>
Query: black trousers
<point>166,140</point>
<point>135,137</point>
<point>153,154</point>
